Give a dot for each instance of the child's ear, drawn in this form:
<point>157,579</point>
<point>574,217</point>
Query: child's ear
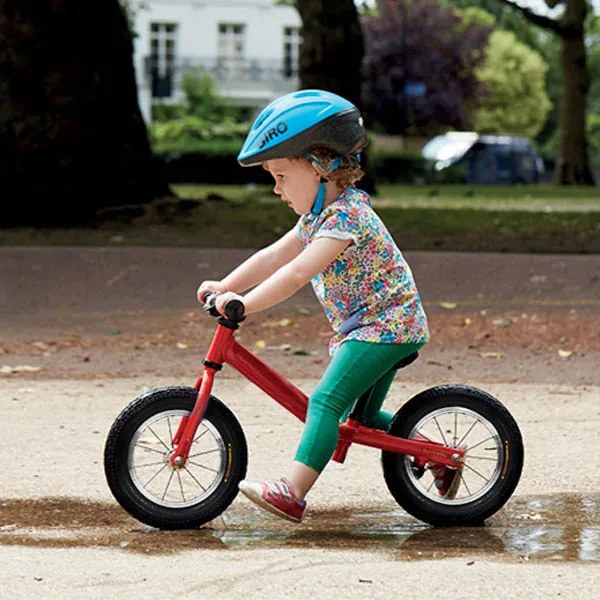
<point>314,170</point>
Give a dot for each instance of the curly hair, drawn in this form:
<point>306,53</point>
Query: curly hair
<point>348,173</point>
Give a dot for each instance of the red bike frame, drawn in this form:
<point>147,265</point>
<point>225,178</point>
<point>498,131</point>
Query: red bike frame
<point>225,349</point>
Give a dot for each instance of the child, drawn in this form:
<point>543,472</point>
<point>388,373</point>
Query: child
<point>309,141</point>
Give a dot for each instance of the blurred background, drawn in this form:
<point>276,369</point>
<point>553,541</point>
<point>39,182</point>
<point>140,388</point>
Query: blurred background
<point>111,103</point>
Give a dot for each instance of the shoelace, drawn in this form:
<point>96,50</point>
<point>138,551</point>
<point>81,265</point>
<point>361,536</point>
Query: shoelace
<point>280,488</point>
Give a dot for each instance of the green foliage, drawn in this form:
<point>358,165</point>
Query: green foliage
<point>516,101</point>
<point>187,130</point>
<point>472,15</point>
<point>203,116</point>
<point>593,136</point>
<point>593,58</point>
<point>540,40</point>
<point>208,147</point>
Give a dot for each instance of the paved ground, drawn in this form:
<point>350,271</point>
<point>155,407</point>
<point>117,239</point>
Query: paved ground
<point>63,536</point>
<point>122,311</point>
<point>83,331</point>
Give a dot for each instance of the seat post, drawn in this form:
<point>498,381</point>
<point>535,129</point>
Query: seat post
<point>359,406</point>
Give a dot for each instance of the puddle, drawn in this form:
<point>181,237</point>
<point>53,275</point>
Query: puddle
<point>548,528</point>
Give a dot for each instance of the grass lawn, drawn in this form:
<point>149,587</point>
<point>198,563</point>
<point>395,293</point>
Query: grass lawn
<point>548,219</point>
<point>482,197</point>
<point>428,217</point>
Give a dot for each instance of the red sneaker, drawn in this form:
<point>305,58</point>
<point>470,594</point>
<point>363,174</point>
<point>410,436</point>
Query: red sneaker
<point>277,497</point>
<point>447,480</point>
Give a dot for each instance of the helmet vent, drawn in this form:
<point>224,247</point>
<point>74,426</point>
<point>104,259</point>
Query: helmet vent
<point>262,118</point>
<point>307,94</point>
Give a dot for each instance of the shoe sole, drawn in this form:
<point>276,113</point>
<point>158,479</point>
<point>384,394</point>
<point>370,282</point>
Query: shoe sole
<point>258,499</point>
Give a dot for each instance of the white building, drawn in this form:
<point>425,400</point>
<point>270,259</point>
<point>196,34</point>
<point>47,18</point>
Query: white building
<point>249,47</point>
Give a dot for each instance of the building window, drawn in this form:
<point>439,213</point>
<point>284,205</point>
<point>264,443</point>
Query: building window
<point>231,49</point>
<point>291,51</point>
<point>162,58</point>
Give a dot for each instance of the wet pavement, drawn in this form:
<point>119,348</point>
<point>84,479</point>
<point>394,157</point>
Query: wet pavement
<point>557,528</point>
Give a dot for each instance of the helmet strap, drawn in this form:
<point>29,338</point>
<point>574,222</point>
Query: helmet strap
<point>317,206</point>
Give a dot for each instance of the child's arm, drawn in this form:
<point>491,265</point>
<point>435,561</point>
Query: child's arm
<point>257,268</point>
<point>290,277</point>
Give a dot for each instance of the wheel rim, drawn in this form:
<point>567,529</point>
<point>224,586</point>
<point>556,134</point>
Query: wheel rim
<point>151,471</point>
<point>459,427</point>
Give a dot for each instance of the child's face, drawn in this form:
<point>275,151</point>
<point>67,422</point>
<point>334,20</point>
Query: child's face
<point>296,183</point>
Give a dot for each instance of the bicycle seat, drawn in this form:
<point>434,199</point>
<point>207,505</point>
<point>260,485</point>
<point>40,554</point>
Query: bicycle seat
<point>407,360</point>
<point>362,401</point>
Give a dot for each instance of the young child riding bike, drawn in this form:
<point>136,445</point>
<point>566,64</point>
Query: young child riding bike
<point>310,142</point>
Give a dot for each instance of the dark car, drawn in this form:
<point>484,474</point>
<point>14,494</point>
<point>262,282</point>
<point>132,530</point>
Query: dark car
<point>484,159</point>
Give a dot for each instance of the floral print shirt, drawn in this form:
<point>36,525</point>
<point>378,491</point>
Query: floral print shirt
<point>368,291</point>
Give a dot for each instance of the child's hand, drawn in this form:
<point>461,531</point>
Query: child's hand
<point>209,287</point>
<point>224,298</point>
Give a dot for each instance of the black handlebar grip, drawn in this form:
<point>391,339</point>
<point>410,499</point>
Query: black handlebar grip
<point>234,310</point>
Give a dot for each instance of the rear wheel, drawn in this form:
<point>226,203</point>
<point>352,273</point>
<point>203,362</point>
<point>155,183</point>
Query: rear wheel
<point>459,417</point>
<point>138,468</point>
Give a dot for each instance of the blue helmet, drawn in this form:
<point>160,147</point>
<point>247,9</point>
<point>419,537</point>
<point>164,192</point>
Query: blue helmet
<point>296,123</point>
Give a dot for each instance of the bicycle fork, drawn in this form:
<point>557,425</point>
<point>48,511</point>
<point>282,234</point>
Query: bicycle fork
<point>184,436</point>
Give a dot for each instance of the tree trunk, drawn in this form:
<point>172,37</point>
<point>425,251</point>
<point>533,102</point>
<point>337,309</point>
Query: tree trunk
<point>72,138</point>
<point>331,55</point>
<point>573,165</point>
<point>332,47</point>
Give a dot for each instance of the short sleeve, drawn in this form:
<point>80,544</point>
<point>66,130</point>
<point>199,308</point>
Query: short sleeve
<point>342,224</point>
<point>298,230</point>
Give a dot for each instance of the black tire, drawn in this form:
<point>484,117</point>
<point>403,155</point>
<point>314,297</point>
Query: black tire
<point>491,471</point>
<point>143,430</point>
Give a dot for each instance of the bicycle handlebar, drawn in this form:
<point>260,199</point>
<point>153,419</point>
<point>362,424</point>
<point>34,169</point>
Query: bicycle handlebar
<point>234,309</point>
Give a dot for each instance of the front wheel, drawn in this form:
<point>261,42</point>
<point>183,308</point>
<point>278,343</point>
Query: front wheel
<point>460,417</point>
<point>138,468</point>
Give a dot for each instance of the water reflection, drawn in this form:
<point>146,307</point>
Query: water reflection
<point>556,528</point>
<point>563,527</point>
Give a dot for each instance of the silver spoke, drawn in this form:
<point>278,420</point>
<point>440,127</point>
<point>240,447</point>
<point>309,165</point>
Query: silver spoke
<point>465,484</point>
<point>483,442</point>
<point>150,449</point>
<point>170,432</point>
<point>464,437</point>
<point>157,480</point>
<point>204,452</point>
<point>168,484</point>
<point>470,457</point>
<point>152,464</point>
<point>156,436</point>
<point>476,472</point>
<point>192,476</point>
<point>180,486</point>
<point>441,432</point>
<point>455,436</point>
<point>191,462</point>
<point>458,425</point>
<point>155,476</point>
<point>199,436</point>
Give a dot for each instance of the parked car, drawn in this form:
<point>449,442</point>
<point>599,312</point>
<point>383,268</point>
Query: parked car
<point>476,158</point>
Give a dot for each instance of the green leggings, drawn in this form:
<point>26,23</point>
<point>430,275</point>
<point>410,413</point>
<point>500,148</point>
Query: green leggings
<point>354,368</point>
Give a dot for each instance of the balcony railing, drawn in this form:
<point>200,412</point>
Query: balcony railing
<point>228,72</point>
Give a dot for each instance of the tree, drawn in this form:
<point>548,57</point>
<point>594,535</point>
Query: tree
<point>419,67</point>
<point>72,138</point>
<point>573,163</point>
<point>331,55</point>
<point>515,100</point>
<point>332,47</point>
